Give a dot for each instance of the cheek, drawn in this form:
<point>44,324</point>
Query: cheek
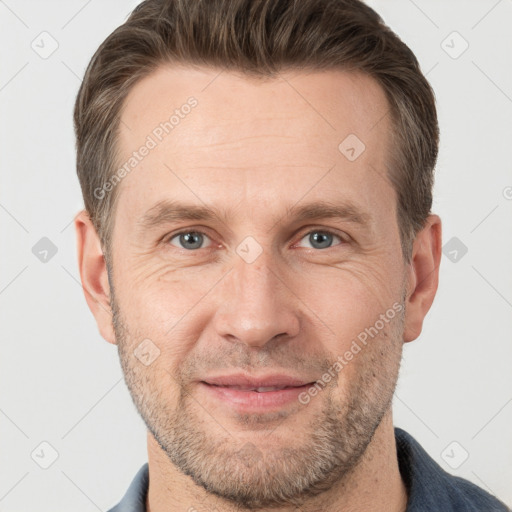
<point>172,307</point>
<point>368,361</point>
<point>159,300</point>
<point>349,298</point>
<point>150,360</point>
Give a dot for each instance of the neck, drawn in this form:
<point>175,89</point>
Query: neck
<point>374,484</point>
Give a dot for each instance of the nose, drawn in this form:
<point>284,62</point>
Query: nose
<point>256,305</point>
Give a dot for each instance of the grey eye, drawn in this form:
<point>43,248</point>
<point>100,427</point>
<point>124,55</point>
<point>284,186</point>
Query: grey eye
<point>189,240</point>
<point>320,239</point>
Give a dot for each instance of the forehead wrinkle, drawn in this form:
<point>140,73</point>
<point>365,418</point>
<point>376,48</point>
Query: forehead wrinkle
<point>237,140</point>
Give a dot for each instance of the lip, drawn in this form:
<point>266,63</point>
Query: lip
<point>229,389</point>
<point>244,380</point>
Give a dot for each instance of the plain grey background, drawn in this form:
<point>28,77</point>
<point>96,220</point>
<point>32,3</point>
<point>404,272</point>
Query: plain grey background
<point>62,383</point>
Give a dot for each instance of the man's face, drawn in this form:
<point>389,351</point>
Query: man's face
<point>259,290</point>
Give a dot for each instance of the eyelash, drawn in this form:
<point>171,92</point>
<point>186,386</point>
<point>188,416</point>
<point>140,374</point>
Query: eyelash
<point>168,239</point>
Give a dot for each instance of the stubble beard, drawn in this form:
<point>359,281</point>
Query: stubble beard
<point>250,475</point>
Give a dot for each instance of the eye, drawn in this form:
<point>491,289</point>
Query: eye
<point>320,239</point>
<point>189,240</point>
<point>193,240</point>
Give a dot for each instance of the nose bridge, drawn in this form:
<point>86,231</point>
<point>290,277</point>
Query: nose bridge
<point>255,304</point>
<point>255,282</point>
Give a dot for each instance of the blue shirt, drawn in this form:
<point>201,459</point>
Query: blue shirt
<point>430,487</point>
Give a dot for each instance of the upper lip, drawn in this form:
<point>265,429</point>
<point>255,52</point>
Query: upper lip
<point>239,379</point>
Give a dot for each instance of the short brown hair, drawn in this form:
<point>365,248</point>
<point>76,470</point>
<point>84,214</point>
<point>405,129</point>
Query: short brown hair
<point>259,38</point>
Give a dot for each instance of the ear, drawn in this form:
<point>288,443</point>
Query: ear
<point>93,274</point>
<point>423,276</point>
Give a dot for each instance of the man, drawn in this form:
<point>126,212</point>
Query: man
<point>257,240</point>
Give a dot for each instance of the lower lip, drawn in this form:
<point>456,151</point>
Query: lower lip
<point>253,401</point>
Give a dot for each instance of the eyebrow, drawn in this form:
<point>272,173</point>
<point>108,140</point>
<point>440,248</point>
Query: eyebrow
<point>169,211</point>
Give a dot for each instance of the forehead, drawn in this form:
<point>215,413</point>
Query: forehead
<point>223,136</point>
